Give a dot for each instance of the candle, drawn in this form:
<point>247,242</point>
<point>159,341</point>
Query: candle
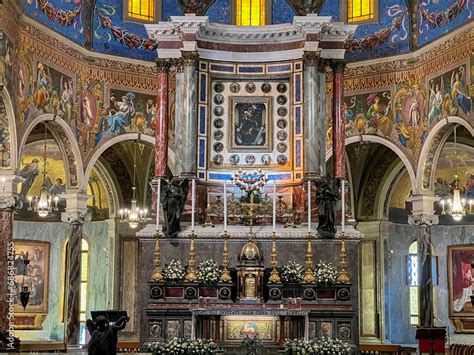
<point>274,205</point>
<point>343,213</point>
<point>225,205</point>
<point>193,185</point>
<point>158,197</point>
<point>309,206</point>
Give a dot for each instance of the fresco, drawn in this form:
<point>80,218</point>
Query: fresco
<point>7,63</point>
<point>63,16</point>
<point>98,204</point>
<point>436,18</point>
<point>5,139</point>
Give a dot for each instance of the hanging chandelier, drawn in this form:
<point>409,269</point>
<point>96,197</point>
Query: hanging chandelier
<point>457,206</point>
<point>44,204</point>
<point>134,215</point>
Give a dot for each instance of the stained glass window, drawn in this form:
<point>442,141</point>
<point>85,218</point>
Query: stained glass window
<point>360,10</point>
<point>250,12</point>
<point>141,9</point>
<point>413,282</point>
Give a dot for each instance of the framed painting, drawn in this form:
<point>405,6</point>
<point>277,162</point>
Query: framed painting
<point>34,274</point>
<point>461,284</point>
<point>236,326</point>
<point>250,127</point>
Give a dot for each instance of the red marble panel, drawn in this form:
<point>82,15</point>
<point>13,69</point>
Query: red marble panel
<point>161,125</point>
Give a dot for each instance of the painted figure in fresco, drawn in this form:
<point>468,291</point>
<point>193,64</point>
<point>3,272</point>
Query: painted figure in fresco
<point>467,282</point>
<point>58,188</point>
<point>377,114</point>
<point>249,130</point>
<point>326,197</point>
<point>104,338</point>
<point>436,102</point>
<point>469,188</point>
<point>173,198</point>
<point>457,94</point>
<point>28,175</point>
<point>41,95</point>
<point>120,114</point>
<point>150,113</point>
<point>67,103</point>
<point>442,187</point>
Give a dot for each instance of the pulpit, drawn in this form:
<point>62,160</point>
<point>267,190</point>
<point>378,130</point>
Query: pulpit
<point>250,273</point>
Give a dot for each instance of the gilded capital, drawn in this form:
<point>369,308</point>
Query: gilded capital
<point>163,64</point>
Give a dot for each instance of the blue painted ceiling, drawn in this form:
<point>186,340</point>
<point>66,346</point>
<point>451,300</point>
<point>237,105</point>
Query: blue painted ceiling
<point>103,29</point>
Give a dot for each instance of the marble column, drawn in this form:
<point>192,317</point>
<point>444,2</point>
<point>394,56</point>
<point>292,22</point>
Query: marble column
<point>178,114</point>
<point>314,116</point>
<point>188,132</point>
<point>76,215</point>
<point>338,127</point>
<point>161,126</point>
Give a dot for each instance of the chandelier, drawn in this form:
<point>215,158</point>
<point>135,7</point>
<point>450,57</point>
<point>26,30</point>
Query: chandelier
<point>134,215</point>
<point>43,204</point>
<point>457,206</point>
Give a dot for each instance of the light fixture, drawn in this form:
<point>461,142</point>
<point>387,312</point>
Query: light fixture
<point>43,204</point>
<point>457,206</point>
<point>134,216</point>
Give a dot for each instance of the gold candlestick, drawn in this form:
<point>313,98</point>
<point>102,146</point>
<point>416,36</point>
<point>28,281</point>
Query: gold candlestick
<point>225,275</point>
<point>157,272</point>
<point>274,274</point>
<point>309,273</point>
<point>191,275</point>
<point>343,277</point>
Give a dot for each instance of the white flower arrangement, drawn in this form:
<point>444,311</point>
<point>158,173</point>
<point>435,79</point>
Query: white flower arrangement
<point>319,346</point>
<point>325,273</point>
<point>208,271</point>
<point>293,272</point>
<point>182,346</point>
<point>174,271</point>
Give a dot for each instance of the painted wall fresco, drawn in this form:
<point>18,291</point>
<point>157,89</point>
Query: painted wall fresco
<point>98,205</point>
<point>5,139</point>
<point>7,64</point>
<point>436,18</point>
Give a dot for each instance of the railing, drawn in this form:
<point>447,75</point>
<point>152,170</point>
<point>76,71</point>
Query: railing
<point>385,349</point>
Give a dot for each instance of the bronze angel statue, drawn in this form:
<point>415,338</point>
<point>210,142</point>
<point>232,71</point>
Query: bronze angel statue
<point>103,334</point>
<point>173,197</point>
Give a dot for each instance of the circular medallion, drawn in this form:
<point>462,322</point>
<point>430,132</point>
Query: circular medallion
<point>219,123</point>
<point>282,135</point>
<point>218,110</point>
<point>224,293</point>
<point>282,111</point>
<point>218,87</point>
<point>266,159</point>
<point>250,87</point>
<point>281,123</point>
<point>218,135</point>
<point>218,159</point>
<point>344,332</point>
<point>309,294</point>
<point>266,87</point>
<point>281,88</point>
<point>218,99</point>
<point>282,159</point>
<point>281,147</point>
<point>281,99</point>
<point>274,293</point>
<point>250,159</point>
<point>218,147</point>
<point>234,159</point>
<point>190,293</point>
<point>235,87</point>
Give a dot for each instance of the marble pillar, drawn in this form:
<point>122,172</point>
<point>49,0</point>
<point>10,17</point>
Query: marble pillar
<point>161,126</point>
<point>189,124</point>
<point>178,114</point>
<point>314,116</point>
<point>423,225</point>
<point>338,126</point>
<point>73,277</point>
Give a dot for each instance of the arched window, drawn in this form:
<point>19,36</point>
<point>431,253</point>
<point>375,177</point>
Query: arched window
<point>250,12</point>
<point>361,11</point>
<point>141,10</point>
<point>413,282</point>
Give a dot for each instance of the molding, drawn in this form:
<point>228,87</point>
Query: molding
<point>423,220</point>
<point>75,217</point>
<point>250,57</point>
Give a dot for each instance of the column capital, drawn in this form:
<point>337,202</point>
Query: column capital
<point>190,58</point>
<point>422,204</point>
<point>10,202</point>
<point>311,58</point>
<point>337,65</point>
<point>423,220</point>
<point>75,217</point>
<point>163,65</point>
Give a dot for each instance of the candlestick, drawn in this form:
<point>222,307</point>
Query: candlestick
<point>225,205</point>
<point>193,185</point>
<point>274,206</point>
<point>309,206</point>
<point>343,214</point>
<point>158,197</point>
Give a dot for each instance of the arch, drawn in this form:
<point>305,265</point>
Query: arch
<point>117,139</point>
<point>389,144</point>
<point>387,190</point>
<point>428,156</point>
<point>67,142</point>
<point>12,133</point>
<point>112,193</point>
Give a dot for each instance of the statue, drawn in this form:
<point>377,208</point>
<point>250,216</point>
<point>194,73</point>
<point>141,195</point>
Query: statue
<point>326,196</point>
<point>104,335</point>
<point>173,197</point>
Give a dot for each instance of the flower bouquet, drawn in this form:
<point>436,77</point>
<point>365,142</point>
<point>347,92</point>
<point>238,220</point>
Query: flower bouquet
<point>182,346</point>
<point>325,274</point>
<point>174,271</point>
<point>319,346</point>
<point>292,273</point>
<point>208,272</point>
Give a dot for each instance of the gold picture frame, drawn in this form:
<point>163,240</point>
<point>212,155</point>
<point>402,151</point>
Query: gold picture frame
<point>267,328</point>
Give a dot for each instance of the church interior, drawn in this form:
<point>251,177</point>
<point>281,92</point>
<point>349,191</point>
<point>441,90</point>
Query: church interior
<point>237,176</point>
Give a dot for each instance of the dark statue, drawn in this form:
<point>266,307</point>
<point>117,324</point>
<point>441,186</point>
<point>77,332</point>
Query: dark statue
<point>173,197</point>
<point>326,197</point>
<point>104,335</point>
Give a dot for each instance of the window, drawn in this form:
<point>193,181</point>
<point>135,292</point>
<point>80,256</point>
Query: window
<point>361,10</point>
<point>250,12</point>
<point>413,282</point>
<point>143,10</point>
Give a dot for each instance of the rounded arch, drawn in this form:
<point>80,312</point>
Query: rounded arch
<point>387,190</point>
<point>9,113</point>
<point>389,144</point>
<point>67,142</point>
<point>117,139</point>
<point>427,161</point>
<point>113,198</point>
